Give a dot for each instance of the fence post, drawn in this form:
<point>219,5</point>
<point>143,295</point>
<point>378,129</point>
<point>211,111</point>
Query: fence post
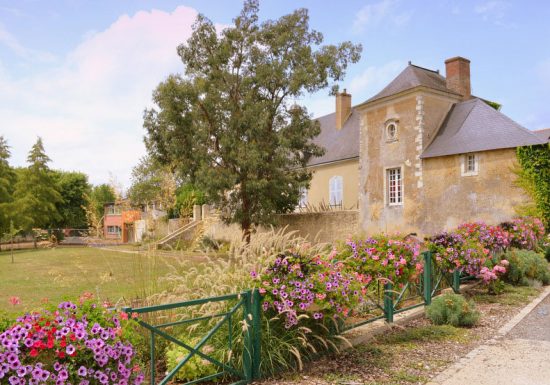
<point>256,333</point>
<point>427,277</point>
<point>456,281</point>
<point>248,347</point>
<point>388,302</point>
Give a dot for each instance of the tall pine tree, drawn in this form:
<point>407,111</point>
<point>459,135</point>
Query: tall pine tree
<point>36,192</point>
<point>7,182</point>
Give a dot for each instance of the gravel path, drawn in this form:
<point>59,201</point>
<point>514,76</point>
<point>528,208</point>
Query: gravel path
<point>536,326</point>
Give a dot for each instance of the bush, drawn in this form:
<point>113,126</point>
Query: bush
<point>385,258</point>
<point>74,344</point>
<point>452,309</point>
<point>297,283</point>
<point>493,238</point>
<point>547,253</point>
<point>195,368</point>
<point>525,232</point>
<point>456,250</point>
<point>526,265</point>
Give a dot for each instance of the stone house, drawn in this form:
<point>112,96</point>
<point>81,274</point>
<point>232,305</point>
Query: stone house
<point>422,155</point>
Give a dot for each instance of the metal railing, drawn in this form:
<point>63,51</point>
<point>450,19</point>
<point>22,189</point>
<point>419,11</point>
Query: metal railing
<point>383,301</point>
<point>248,302</point>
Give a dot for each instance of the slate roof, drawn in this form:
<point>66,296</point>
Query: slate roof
<point>413,76</point>
<point>472,126</point>
<point>338,144</point>
<point>544,134</point>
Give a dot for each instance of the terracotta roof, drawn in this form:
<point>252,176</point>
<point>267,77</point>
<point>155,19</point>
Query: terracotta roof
<point>544,134</point>
<point>338,144</point>
<point>413,76</point>
<point>473,126</point>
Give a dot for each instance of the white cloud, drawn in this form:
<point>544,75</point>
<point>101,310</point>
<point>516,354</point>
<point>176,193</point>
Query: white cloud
<point>373,14</point>
<point>494,11</point>
<point>9,41</point>
<point>374,78</point>
<point>89,108</point>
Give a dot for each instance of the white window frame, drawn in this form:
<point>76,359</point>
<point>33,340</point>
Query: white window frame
<point>302,202</point>
<point>336,190</point>
<point>398,201</point>
<point>115,232</point>
<point>112,210</point>
<point>465,160</point>
<point>387,126</point>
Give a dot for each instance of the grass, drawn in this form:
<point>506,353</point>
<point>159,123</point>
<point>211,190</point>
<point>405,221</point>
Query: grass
<point>65,273</point>
<point>426,333</point>
<point>512,295</point>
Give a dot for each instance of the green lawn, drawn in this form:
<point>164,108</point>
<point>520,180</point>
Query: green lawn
<point>64,273</point>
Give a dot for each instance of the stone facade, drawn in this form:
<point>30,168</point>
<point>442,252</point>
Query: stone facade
<point>435,194</point>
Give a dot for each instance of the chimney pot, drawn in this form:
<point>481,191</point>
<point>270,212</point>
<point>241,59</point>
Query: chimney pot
<point>343,108</point>
<point>457,73</point>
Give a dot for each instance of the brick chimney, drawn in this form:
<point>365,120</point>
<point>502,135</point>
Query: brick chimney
<point>343,108</point>
<point>457,72</point>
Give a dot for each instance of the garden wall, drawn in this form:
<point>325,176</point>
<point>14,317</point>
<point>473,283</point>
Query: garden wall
<point>325,227</point>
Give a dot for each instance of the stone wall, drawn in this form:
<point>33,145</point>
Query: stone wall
<point>324,227</point>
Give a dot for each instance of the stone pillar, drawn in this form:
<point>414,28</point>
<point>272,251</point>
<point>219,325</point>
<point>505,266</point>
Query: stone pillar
<point>197,212</point>
<point>205,211</point>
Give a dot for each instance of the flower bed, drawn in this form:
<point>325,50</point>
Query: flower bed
<point>73,344</point>
<point>295,284</point>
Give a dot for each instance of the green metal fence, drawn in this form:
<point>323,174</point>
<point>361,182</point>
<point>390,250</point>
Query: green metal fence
<point>247,303</point>
<point>382,301</point>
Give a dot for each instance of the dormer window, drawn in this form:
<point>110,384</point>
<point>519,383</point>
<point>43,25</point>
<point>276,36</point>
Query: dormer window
<point>391,131</point>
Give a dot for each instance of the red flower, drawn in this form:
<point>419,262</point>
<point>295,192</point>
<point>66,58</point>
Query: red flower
<point>72,337</point>
<point>33,352</point>
<point>63,343</point>
<point>61,354</point>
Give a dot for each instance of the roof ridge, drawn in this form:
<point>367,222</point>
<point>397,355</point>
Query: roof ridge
<point>424,68</point>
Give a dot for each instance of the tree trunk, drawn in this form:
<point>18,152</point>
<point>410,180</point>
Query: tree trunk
<point>246,223</point>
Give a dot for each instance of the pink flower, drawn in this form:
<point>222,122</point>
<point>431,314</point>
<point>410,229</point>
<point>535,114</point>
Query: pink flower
<point>504,262</point>
<point>15,300</point>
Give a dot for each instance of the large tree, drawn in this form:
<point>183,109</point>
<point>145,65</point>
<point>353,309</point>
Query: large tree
<point>7,182</point>
<point>231,125</point>
<point>153,182</point>
<point>36,192</point>
<point>75,191</point>
<point>100,195</point>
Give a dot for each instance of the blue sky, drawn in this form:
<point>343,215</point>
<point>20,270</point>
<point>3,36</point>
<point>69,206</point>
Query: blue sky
<point>79,73</point>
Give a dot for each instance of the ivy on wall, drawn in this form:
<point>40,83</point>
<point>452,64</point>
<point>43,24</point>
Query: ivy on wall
<point>534,178</point>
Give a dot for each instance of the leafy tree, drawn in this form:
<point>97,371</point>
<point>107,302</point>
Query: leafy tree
<point>100,195</point>
<point>7,181</point>
<point>187,196</point>
<point>534,177</point>
<point>36,195</point>
<point>75,190</point>
<point>230,125</point>
<point>152,182</point>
